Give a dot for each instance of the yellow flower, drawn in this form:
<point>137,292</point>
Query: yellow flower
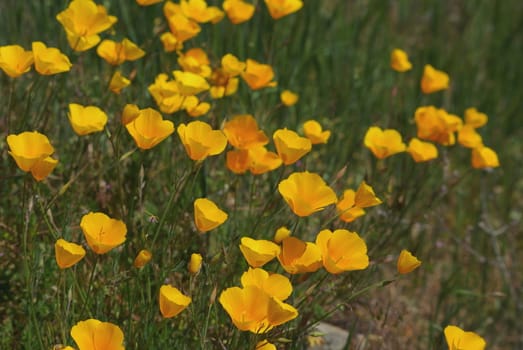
<point>195,264</point>
<point>237,161</point>
<point>365,196</point>
<point>207,215</point>
<point>194,107</point>
<point>172,301</point>
<point>265,345</point>
<point>422,151</point>
<point>290,146</point>
<point>149,128</point>
<point>147,2</point>
<point>289,98</point>
<point>342,250</point>
<point>143,258</point>
<point>117,53</point>
<point>49,60</point>
<point>118,82</point>
<point>314,132</point>
<point>458,339</point>
<point>67,254</point>
<point>199,11</point>
<point>399,61</point>
<point>407,262</point>
<point>258,252</point>
<point>170,42</point>
<point>195,61</point>
<point>306,193</point>
<point>243,133</point>
<point>262,161</point>
<point>484,157</point>
<point>86,119</point>
<point>469,137</point>
<point>383,143</point>
<point>200,140</point>
<point>83,20</point>
<point>274,284</point>
<point>166,94</point>
<point>222,84</point>
<point>15,61</point>
<point>182,27</point>
<point>433,80</point>
<point>347,208</point>
<point>281,233</point>
<point>238,11</point>
<point>258,75</point>
<point>92,334</point>
<point>190,83</point>
<point>297,256</point>
<point>252,309</point>
<point>474,118</point>
<point>130,112</point>
<point>102,233</point>
<point>232,66</point>
<point>31,152</point>
<point>436,125</point>
<point>281,8</point>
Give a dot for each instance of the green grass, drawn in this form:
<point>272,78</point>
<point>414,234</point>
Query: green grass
<point>464,224</point>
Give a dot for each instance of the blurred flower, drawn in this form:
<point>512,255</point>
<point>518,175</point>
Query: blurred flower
<point>289,98</point>
<point>118,82</point>
<point>15,61</point>
<point>365,196</point>
<point>67,254</point>
<point>92,334</point>
<point>83,20</point>
<point>265,345</point>
<point>422,151</point>
<point>102,233</point>
<point>31,152</point>
<point>200,140</point>
<point>252,309</point>
<point>399,61</point>
<point>195,61</point>
<point>258,252</point>
<point>149,128</point>
<point>290,146</point>
<point>199,11</point>
<point>437,125</point>
<point>190,83</point>
<point>484,157</point>
<point>297,256</point>
<point>49,60</point>
<point>207,215</point>
<point>170,42</point>
<point>166,94</point>
<point>194,107</point>
<point>195,264</point>
<point>433,80</point>
<point>474,118</point>
<point>407,262</point>
<point>147,2</point>
<point>383,143</point>
<point>281,8</point>
<point>458,339</point>
<point>243,133</point>
<point>116,53</point>
<point>143,258</point>
<point>232,66</point>
<point>314,132</point>
<point>342,250</point>
<point>258,75</point>
<point>86,119</point>
<point>469,137</point>
<point>262,161</point>
<point>237,161</point>
<point>274,284</point>
<point>130,112</point>
<point>238,11</point>
<point>347,208</point>
<point>306,193</point>
<point>172,301</point>
<point>281,233</point>
<point>182,27</point>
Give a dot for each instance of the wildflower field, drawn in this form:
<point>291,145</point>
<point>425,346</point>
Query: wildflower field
<point>226,174</point>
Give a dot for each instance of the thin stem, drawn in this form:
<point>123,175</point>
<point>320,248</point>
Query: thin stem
<point>89,287</point>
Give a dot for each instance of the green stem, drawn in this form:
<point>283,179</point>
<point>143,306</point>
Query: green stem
<point>89,287</point>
